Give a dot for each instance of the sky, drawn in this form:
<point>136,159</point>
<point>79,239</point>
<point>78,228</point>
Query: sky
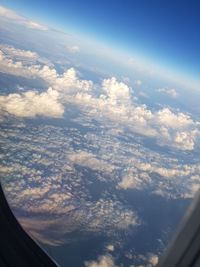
<point>164,32</point>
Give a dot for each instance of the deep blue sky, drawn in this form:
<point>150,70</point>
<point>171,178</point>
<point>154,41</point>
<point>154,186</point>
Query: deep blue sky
<point>165,31</point>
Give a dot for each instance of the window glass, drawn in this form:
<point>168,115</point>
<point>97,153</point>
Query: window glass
<point>100,149</point>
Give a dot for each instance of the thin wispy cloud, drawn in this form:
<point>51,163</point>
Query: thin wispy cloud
<point>12,16</point>
<point>74,49</point>
<point>170,92</point>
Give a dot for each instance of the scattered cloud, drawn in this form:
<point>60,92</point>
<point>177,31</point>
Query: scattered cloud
<point>153,259</point>
<point>74,49</point>
<point>143,94</point>
<point>108,261</point>
<point>64,191</point>
<point>108,213</point>
<point>170,92</point>
<point>103,261</point>
<point>126,79</point>
<point>12,16</point>
<point>134,180</point>
<point>89,160</point>
<point>195,187</point>
<point>110,247</point>
<point>138,82</point>
<point>142,260</point>
<point>143,175</point>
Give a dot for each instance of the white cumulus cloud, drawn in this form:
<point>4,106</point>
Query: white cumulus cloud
<point>14,52</point>
<point>116,91</point>
<point>31,104</point>
<point>110,247</point>
<point>103,261</point>
<point>89,160</point>
<point>153,259</point>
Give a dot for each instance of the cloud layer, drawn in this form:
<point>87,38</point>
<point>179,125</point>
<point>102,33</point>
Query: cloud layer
<point>54,170</point>
<point>71,177</point>
<point>115,102</point>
